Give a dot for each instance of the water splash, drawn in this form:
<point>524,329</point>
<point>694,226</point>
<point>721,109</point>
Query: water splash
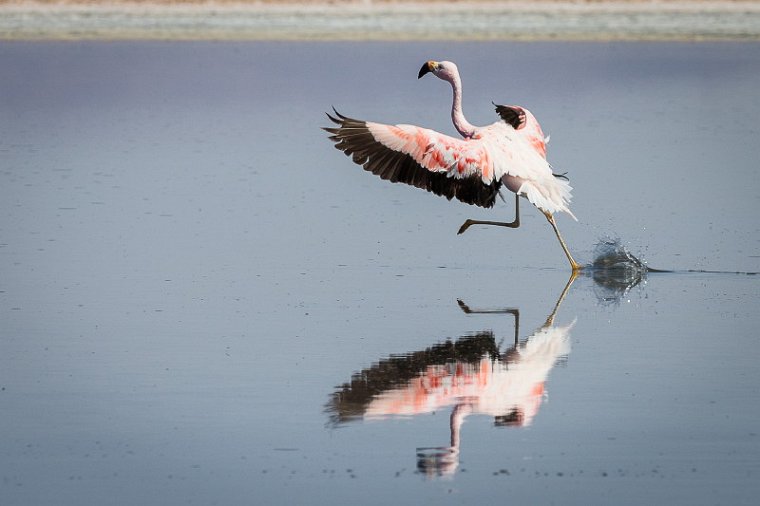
<point>615,270</point>
<point>611,255</point>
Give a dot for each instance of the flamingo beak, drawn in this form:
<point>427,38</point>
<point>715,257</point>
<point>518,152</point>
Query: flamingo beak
<point>429,66</point>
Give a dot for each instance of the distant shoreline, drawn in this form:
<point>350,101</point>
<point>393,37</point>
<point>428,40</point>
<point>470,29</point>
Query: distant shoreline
<point>379,20</point>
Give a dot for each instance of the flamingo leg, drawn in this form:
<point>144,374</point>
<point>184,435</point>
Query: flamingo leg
<point>575,265</point>
<point>550,318</point>
<point>513,311</point>
<point>513,224</point>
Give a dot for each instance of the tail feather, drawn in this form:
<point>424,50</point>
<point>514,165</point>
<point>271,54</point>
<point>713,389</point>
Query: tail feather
<point>553,197</point>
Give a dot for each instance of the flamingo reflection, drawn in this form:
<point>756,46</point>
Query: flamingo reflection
<point>469,376</point>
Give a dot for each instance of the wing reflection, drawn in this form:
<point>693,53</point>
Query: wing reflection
<point>469,376</point>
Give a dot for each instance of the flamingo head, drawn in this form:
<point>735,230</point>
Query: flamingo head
<point>445,70</point>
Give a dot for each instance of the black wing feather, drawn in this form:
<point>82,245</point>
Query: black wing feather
<point>512,115</point>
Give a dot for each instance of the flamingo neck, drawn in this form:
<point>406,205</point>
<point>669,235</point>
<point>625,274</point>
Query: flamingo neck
<point>458,414</point>
<point>463,126</point>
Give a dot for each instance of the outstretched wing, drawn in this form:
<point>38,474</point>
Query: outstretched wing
<point>420,157</point>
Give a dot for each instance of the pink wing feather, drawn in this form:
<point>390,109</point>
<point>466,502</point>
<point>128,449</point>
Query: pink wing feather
<point>435,151</point>
<point>420,157</point>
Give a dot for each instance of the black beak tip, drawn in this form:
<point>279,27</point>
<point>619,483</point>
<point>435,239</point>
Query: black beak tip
<point>424,70</point>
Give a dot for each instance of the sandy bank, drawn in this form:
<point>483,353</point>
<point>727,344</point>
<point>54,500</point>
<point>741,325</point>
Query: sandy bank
<point>381,20</point>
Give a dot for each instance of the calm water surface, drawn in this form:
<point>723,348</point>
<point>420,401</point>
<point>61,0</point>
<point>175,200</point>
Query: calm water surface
<point>203,302</point>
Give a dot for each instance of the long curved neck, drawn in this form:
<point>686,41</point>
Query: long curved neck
<point>457,116</point>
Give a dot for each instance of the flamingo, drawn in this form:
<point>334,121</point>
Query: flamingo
<point>511,151</point>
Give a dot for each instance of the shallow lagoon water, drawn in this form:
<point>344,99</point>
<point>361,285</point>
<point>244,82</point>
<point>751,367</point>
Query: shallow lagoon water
<point>190,273</point>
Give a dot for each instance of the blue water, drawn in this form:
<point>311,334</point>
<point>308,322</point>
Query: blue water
<point>190,273</point>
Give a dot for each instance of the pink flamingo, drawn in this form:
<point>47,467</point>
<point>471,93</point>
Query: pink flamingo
<point>510,152</point>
